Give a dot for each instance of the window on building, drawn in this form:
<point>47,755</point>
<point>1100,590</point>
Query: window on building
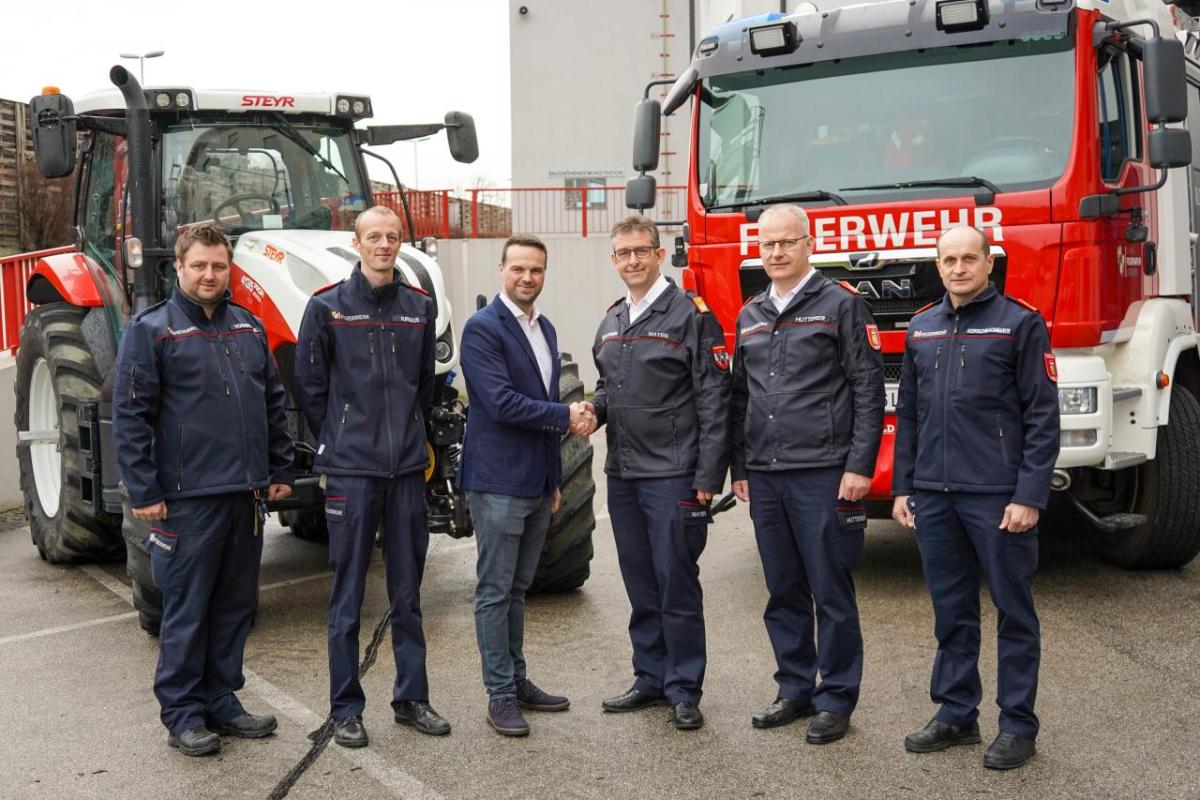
<point>597,192</point>
<point>1119,131</point>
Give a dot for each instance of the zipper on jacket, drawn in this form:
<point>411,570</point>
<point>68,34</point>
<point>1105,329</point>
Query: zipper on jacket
<point>345,411</point>
<point>962,357</point>
<point>133,383</point>
<point>312,352</point>
<point>179,463</point>
<point>387,404</point>
<point>393,341</point>
<point>371,342</point>
<point>946,424</point>
<point>937,358</point>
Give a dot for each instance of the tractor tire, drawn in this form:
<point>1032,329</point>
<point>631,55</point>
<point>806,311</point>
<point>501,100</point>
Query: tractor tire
<point>567,554</point>
<point>1167,490</point>
<point>57,374</point>
<point>147,599</point>
<point>307,524</point>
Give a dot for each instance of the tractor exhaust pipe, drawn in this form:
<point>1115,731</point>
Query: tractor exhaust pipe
<point>146,284</point>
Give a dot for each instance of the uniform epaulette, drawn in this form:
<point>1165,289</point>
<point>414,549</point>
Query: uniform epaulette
<point>698,301</point>
<point>846,285</point>
<point>615,303</point>
<point>415,288</point>
<point>326,288</point>
<point>1021,302</point>
<point>926,307</point>
<point>146,311</point>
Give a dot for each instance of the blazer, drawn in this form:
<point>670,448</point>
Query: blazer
<point>513,441</point>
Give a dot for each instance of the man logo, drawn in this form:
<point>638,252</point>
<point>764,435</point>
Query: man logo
<point>864,261</point>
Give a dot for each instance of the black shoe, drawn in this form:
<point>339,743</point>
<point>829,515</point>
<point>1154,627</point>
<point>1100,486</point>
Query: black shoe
<point>531,697</point>
<point>349,732</point>
<point>421,716</point>
<point>827,727</point>
<point>1009,751</point>
<point>198,741</point>
<point>248,726</point>
<point>781,712</point>
<point>686,716</point>
<point>633,700</point>
<point>938,735</point>
<point>505,717</point>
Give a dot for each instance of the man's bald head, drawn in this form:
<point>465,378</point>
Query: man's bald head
<point>962,234</point>
<point>375,214</point>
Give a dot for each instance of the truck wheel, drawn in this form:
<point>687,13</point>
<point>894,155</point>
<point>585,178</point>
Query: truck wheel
<point>307,524</point>
<point>147,599</point>
<point>1167,491</point>
<point>56,376</point>
<point>567,554</point>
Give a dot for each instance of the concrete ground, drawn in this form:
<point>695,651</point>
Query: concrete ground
<point>1119,700</point>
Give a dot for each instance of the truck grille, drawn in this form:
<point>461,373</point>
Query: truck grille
<point>894,283</point>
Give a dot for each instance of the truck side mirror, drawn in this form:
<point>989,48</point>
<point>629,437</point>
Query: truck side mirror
<point>1166,80</point>
<point>640,192</point>
<point>647,126</point>
<point>1169,148</point>
<point>53,134</point>
<point>460,131</point>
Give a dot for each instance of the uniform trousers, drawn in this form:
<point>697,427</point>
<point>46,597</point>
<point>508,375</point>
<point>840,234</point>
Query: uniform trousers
<point>809,542</point>
<point>204,559</point>
<point>958,533</point>
<point>356,507</point>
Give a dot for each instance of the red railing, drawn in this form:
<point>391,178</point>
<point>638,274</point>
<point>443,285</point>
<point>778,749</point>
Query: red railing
<point>14,273</point>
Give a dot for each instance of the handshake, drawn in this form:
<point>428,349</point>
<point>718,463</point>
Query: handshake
<point>583,418</point>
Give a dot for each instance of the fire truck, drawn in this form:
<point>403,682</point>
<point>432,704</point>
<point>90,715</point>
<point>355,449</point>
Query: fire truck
<point>1063,128</point>
<point>284,175</point>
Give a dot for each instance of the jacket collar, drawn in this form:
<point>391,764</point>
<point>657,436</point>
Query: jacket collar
<point>812,286</point>
<point>362,287</point>
<point>194,310</point>
<point>659,305</point>
<point>986,296</point>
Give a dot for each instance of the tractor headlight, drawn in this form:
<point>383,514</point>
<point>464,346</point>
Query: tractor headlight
<point>443,350</point>
<point>1081,438</point>
<point>1077,400</point>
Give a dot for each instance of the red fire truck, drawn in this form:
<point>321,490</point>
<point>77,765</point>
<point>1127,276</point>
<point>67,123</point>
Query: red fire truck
<point>1055,125</point>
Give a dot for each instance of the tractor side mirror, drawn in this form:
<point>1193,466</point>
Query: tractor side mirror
<point>640,192</point>
<point>53,134</point>
<point>1166,80</point>
<point>647,127</point>
<point>460,131</point>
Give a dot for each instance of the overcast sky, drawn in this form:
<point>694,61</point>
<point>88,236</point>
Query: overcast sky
<point>415,59</point>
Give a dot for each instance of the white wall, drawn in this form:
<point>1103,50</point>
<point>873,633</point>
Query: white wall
<point>10,488</point>
<point>580,286</point>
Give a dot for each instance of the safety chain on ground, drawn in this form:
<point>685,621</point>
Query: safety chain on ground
<point>321,736</point>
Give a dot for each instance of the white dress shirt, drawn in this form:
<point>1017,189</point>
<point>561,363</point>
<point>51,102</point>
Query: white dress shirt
<point>639,308</point>
<point>782,302</point>
<point>537,340</point>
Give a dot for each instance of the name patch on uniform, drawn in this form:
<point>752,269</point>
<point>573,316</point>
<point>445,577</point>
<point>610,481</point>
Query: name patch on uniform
<point>720,356</point>
<point>986,331</point>
<point>817,318</point>
<point>873,337</point>
<point>174,332</point>
<point>243,326</point>
<point>1051,366</point>
<point>608,335</point>
<point>161,542</point>
<point>657,334</point>
<point>410,320</point>
<point>348,318</point>
<point>335,512</point>
<point>927,334</point>
<point>756,326</point>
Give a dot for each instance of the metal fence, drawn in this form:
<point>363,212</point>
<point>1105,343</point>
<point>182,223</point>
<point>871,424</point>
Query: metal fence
<point>14,274</point>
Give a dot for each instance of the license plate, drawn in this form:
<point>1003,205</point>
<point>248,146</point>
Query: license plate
<point>891,390</point>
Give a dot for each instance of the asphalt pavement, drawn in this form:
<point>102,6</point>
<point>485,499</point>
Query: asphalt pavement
<point>1119,697</point>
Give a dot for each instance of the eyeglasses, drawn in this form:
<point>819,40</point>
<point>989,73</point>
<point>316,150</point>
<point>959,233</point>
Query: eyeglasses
<point>786,245</point>
<point>625,253</point>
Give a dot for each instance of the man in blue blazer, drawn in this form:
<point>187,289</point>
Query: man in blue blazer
<point>511,471</point>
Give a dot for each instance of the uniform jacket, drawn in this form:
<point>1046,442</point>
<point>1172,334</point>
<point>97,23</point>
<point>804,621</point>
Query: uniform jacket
<point>807,383</point>
<point>513,441</point>
<point>978,405</point>
<point>198,407</point>
<point>365,376</point>
<point>663,391</point>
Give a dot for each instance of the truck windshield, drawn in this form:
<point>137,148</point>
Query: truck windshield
<point>1002,112</point>
<point>259,174</point>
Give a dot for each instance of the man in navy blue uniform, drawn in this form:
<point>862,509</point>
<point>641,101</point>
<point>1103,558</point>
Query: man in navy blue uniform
<point>663,392</point>
<point>365,380</point>
<point>511,471</point>
<point>198,412</point>
<point>977,435</point>
<point>806,420</point>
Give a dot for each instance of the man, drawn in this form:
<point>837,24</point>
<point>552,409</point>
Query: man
<point>806,420</point>
<point>511,471</point>
<point>198,414</point>
<point>976,441</point>
<point>365,381</point>
<point>664,392</point>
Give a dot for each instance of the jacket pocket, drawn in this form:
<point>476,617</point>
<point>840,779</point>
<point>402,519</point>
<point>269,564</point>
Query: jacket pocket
<point>850,533</point>
<point>131,375</point>
<point>1003,443</point>
<point>179,462</point>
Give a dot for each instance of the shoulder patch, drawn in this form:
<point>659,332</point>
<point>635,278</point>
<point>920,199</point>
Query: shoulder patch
<point>926,307</point>
<point>615,303</point>
<point>701,306</point>
<point>846,285</point>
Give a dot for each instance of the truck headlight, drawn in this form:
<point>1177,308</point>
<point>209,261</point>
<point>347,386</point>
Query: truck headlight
<point>443,350</point>
<point>1084,438</point>
<point>1077,400</point>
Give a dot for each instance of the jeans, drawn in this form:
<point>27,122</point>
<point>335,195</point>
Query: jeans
<point>509,534</point>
